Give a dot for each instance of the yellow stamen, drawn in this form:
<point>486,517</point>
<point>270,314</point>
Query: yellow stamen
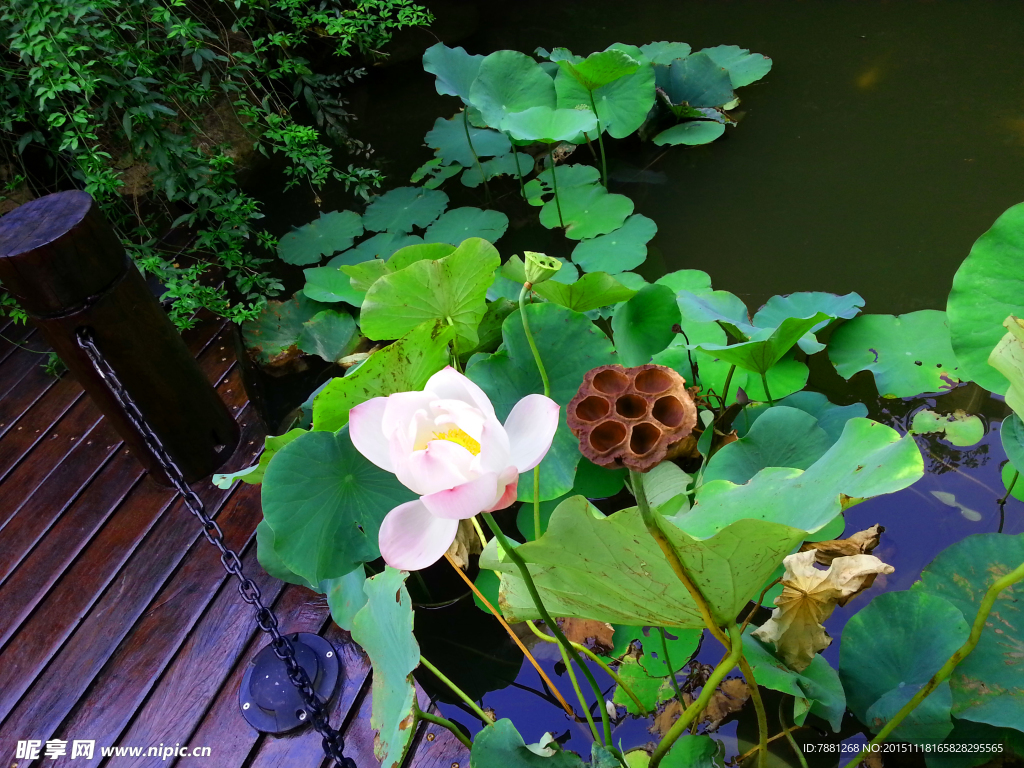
<point>459,437</point>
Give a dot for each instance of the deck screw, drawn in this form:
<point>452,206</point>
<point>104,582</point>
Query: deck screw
<point>330,654</point>
<point>430,737</point>
<point>246,705</point>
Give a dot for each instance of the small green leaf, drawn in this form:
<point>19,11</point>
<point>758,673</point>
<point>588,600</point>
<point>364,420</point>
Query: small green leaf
<point>620,250</point>
<point>691,133</point>
<point>696,751</point>
<point>277,328</point>
<point>681,644</point>
<point>567,176</point>
<point>403,208</point>
<point>331,233</point>
<point>766,346</point>
<point>330,284</point>
<point>642,326</point>
<point>960,428</point>
<point>586,212</point>
<point>345,596</point>
<point>500,746</point>
<point>649,689</point>
<point>449,138</point>
<point>329,334</point>
<point>591,291</point>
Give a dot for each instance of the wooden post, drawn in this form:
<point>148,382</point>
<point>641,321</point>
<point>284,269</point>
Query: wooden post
<point>66,267</point>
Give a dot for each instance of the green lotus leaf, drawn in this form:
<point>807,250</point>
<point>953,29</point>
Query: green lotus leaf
<point>965,735</point>
<point>619,250</point>
<point>433,174</point>
<point>556,55</point>
<point>403,208</point>
<point>330,284</point>
<point>1011,433</point>
<point>621,105</point>
<point>383,628</point>
<point>503,165</point>
<point>988,286</point>
<point>781,437</point>
<point>364,275</point>
<point>591,481</point>
<point>693,280</point>
<point>254,475</point>
<point>278,326</point>
<point>960,428</point>
<point>510,81</point>
<point>642,326</point>
<point>681,645</point>
<point>453,289</point>
<point>1008,359</point>
<point>600,68</point>
<point>716,307</point>
<point>817,690</point>
<point>329,334</point>
<point>500,746</point>
<point>454,69</point>
<point>380,246</point>
<point>870,459</point>
<point>461,224</point>
<point>908,354</point>
<point>611,569</point>
<point>448,137</point>
<point>548,125</point>
<point>650,690</point>
<point>831,418</point>
<point>332,232</point>
<point>325,502</point>
<point>766,346</point>
<point>805,304</point>
<point>889,650</point>
<point>270,561</point>
<point>1012,482</point>
<point>667,488</point>
<point>592,291</point>
<point>664,52</point>
<point>404,366</point>
<point>696,751</point>
<point>786,377</point>
<point>567,176</point>
<point>696,80</point>
<point>744,67</point>
<point>586,212</point>
<point>570,345</point>
<point>345,596</point>
<point>691,133</point>
<point>987,686</point>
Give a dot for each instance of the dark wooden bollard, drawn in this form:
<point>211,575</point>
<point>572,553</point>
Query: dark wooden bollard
<point>63,263</point>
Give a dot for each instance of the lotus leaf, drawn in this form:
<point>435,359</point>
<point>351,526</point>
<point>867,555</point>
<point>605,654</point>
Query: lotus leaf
<point>254,475</point>
<point>691,133</point>
<point>816,690</point>
<point>586,211</point>
<point>781,437</point>
<point>621,105</point>
<point>592,291</point>
<point>331,233</point>
<point>716,307</point>
<point>619,250</point>
<point>463,223</point>
<point>1008,359</point>
<point>744,67</point>
<point>556,55</point>
<point>908,354</point>
<point>277,328</point>
<point>786,377</point>
<point>449,138</point>
<point>960,428</point>
<point>988,286</point>
<point>870,459</point>
<point>380,246</point>
<point>570,345</point>
<point>500,746</point>
<point>966,734</point>
<point>503,165</point>
<point>695,80</point>
<point>695,751</point>
<point>329,334</point>
<point>667,488</point>
<point>363,275</point>
<point>548,125</point>
<point>452,289</point>
<point>681,644</point>
<point>270,561</point>
<point>831,418</point>
<point>664,52</point>
<point>402,208</point>
<point>325,502</point>
<point>510,81</point>
<point>642,326</point>
<point>889,650</point>
<point>404,366</point>
<point>611,569</point>
<point>693,280</point>
<point>489,330</point>
<point>454,69</point>
<point>600,68</point>
<point>433,174</point>
<point>805,304</point>
<point>1011,433</point>
<point>766,346</point>
<point>383,627</point>
<point>1012,482</point>
<point>330,284</point>
<point>345,596</point>
<point>650,690</point>
<point>568,176</point>
<point>987,686</point>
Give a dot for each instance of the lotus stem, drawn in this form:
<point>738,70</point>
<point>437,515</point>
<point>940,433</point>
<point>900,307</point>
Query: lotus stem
<point>536,503</point>
<point>600,142</point>
<point>597,660</point>
<point>479,165</point>
<point>579,694</point>
<point>739,760</point>
<point>519,171</point>
<point>762,717</point>
<point>479,531</point>
<point>1009,488</point>
<point>763,746</point>
<point>515,638</point>
<point>668,663</point>
<point>725,389</point>
<point>764,380</point>
<point>438,720</point>
<point>698,706</point>
<point>547,393</point>
<point>554,186</point>
<point>524,572</point>
<point>760,601</point>
<point>987,602</point>
<point>457,691</point>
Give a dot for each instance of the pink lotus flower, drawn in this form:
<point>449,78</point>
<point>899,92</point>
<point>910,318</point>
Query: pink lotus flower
<point>446,444</point>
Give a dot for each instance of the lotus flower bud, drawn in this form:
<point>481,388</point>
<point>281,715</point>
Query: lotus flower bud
<point>540,267</point>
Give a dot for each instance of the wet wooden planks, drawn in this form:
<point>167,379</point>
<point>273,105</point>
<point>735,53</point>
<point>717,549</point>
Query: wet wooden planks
<point>118,623</point>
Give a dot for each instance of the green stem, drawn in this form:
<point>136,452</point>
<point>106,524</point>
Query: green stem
<point>668,663</point>
<point>457,691</point>
<point>479,165</point>
<point>579,694</point>
<point>597,660</point>
<point>764,380</point>
<point>438,720</point>
<point>789,737</point>
<point>1009,488</point>
<point>554,186</point>
<point>600,143</point>
<point>762,717</point>
<point>519,171</point>
<point>524,572</point>
<point>529,339</point>
<point>987,602</point>
<point>725,389</point>
<point>698,706</point>
<point>536,503</point>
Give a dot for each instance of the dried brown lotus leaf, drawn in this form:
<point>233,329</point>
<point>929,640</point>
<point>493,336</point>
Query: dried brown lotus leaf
<point>466,543</point>
<point>860,543</point>
<point>808,597</point>
<point>632,417</point>
<point>729,697</point>
<point>596,635</point>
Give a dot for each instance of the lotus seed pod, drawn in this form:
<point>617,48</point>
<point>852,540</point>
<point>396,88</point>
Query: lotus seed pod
<point>540,267</point>
<point>631,417</point>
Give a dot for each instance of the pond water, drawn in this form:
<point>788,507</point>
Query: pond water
<point>885,140</point>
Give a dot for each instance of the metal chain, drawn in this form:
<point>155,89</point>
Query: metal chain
<point>333,743</point>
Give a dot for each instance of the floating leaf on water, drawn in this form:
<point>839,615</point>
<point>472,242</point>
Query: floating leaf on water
<point>908,354</point>
<point>744,67</point>
<point>696,80</point>
<point>596,635</point>
<point>500,746</point>
<point>503,165</point>
<point>642,326</point>
<point>567,176</point>
<point>690,133</point>
<point>1008,359</point>
<point>960,428</point>
<point>586,211</point>
<point>402,208</point>
<point>273,336</point>
<point>681,644</point>
<point>510,81</point>
<point>808,598</point>
<point>380,246</point>
<point>650,690</point>
<point>448,137</point>
<point>461,224</point>
<point>329,334</point>
<point>331,233</point>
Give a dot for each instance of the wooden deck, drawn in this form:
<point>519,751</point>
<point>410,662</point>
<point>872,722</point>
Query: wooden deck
<point>118,623</point>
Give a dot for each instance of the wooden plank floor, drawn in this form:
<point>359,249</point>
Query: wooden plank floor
<point>118,624</point>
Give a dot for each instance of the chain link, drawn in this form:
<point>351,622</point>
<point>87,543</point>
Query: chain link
<point>333,743</point>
